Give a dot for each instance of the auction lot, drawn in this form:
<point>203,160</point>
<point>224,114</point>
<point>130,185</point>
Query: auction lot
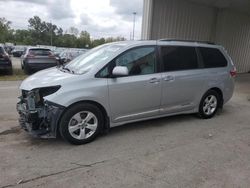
<point>180,151</point>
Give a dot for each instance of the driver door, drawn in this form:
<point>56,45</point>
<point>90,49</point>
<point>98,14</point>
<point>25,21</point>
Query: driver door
<point>137,95</point>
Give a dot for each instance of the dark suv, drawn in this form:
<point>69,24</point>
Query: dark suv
<point>5,62</point>
<point>35,59</point>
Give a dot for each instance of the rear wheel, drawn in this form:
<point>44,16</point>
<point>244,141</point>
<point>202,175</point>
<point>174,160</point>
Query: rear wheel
<point>26,69</point>
<point>209,104</point>
<point>81,123</point>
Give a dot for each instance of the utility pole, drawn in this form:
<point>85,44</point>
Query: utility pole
<point>51,34</point>
<point>134,13</point>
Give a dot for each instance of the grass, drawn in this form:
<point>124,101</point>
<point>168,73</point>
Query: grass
<point>18,74</point>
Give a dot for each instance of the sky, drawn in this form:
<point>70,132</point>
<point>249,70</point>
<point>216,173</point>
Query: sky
<point>101,18</point>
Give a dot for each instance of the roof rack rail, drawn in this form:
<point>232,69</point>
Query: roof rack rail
<point>181,40</point>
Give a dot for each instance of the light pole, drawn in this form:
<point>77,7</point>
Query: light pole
<point>134,13</point>
<point>51,34</point>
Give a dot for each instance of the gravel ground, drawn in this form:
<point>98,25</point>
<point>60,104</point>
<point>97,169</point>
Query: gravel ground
<point>179,151</point>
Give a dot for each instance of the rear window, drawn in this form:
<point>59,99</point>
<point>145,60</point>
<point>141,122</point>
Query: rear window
<point>179,58</point>
<point>212,57</point>
<point>40,52</point>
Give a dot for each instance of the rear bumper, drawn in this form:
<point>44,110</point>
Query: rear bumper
<point>41,121</point>
<point>5,65</point>
<point>40,66</point>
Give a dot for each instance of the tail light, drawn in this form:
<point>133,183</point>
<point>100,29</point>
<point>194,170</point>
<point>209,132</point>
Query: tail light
<point>5,56</point>
<point>51,55</point>
<point>233,72</point>
<point>30,55</point>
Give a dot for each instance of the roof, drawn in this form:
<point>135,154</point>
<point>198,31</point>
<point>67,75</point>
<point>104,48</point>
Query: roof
<point>168,42</point>
<point>190,41</point>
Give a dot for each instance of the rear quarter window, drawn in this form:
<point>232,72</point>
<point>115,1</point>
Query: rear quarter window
<point>212,57</point>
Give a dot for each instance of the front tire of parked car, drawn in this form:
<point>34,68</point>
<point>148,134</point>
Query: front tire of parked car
<point>81,123</point>
<point>209,104</point>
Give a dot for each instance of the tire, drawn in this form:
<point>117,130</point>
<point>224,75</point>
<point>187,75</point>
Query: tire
<point>26,69</point>
<point>10,71</point>
<point>209,104</point>
<point>86,122</point>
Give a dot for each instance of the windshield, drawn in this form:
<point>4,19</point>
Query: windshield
<point>19,48</point>
<point>85,62</point>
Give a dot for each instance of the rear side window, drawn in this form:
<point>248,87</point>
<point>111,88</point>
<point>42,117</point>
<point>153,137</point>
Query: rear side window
<point>40,52</point>
<point>212,57</point>
<point>179,58</point>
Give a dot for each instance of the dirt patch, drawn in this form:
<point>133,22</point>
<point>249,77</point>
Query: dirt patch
<point>14,130</point>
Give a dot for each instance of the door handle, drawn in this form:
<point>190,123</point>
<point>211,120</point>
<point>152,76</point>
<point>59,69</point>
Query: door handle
<point>168,78</point>
<point>154,80</point>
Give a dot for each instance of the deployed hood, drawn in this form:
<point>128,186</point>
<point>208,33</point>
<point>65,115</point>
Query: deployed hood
<point>45,78</point>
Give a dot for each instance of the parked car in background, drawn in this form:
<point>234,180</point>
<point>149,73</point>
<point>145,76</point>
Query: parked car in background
<point>58,51</point>
<point>68,55</point>
<point>125,82</point>
<point>18,51</point>
<point>8,47</point>
<point>5,62</point>
<point>36,58</point>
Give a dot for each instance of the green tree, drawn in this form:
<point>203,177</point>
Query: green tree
<point>5,31</point>
<point>97,42</point>
<point>73,31</point>
<point>42,31</point>
<point>84,40</point>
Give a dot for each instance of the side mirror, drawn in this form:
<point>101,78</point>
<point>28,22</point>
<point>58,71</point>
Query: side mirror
<point>120,71</point>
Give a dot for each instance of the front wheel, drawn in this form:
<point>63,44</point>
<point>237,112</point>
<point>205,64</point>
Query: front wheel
<point>81,123</point>
<point>209,104</point>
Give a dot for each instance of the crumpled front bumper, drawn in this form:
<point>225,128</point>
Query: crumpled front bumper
<point>40,121</point>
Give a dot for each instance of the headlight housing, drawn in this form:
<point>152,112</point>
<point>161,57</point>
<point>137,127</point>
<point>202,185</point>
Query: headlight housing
<point>39,93</point>
<point>45,91</point>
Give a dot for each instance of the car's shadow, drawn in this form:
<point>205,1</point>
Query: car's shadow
<point>152,124</point>
<point>147,125</point>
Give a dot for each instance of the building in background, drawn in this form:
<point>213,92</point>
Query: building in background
<point>225,22</point>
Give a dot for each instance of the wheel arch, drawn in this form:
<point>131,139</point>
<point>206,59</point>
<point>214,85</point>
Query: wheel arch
<point>100,106</point>
<point>220,93</point>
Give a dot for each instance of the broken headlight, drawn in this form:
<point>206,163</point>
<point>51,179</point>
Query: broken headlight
<point>45,91</point>
<point>39,93</point>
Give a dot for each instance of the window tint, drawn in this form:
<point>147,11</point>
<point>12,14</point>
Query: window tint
<point>139,61</point>
<point>212,57</point>
<point>40,52</point>
<point>179,58</point>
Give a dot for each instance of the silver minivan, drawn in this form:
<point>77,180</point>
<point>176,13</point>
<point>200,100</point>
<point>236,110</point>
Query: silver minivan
<point>123,82</point>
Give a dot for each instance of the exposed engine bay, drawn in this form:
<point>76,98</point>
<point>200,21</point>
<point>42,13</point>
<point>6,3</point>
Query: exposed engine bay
<point>38,116</point>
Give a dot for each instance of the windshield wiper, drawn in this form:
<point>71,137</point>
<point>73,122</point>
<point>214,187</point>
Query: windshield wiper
<point>62,67</point>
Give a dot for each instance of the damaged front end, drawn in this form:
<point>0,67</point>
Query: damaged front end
<point>38,116</point>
